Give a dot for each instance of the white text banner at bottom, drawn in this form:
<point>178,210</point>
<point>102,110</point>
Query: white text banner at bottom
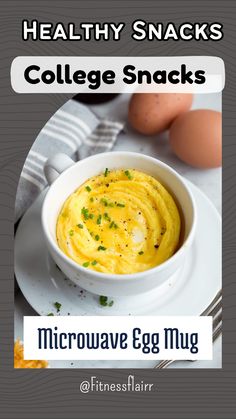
<point>117,337</point>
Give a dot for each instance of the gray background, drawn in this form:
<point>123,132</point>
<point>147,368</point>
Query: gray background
<point>55,394</point>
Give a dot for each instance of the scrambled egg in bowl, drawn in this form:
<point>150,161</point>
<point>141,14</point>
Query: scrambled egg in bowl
<point>119,222</point>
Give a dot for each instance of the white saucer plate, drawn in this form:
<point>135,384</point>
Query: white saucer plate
<point>187,293</point>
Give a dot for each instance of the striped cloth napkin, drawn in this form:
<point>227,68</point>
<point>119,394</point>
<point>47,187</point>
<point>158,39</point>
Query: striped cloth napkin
<point>73,130</point>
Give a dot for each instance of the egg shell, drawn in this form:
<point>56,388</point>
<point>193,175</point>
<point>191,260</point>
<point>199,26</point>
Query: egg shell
<point>151,113</point>
<point>196,138</point>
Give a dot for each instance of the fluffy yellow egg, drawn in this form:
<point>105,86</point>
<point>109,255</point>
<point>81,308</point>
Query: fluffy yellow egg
<point>119,222</point>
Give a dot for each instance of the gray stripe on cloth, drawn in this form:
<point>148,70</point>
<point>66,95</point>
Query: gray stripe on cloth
<point>73,130</point>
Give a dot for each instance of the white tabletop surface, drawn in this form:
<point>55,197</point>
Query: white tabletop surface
<point>209,181</point>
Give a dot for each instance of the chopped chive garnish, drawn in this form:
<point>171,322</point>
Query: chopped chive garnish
<point>97,237</point>
<point>91,216</point>
<point>101,248</point>
<point>120,205</point>
<point>94,263</point>
<point>88,188</point>
<point>106,216</point>
<point>127,173</point>
<point>141,253</point>
<point>113,225</point>
<point>80,225</point>
<point>99,219</point>
<point>103,300</point>
<point>91,199</point>
<point>104,201</point>
<point>85,213</point>
<point>86,264</point>
<point>71,232</point>
<point>57,306</point>
<point>106,172</point>
<point>50,314</point>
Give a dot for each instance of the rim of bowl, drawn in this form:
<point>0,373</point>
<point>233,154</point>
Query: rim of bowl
<point>111,276</point>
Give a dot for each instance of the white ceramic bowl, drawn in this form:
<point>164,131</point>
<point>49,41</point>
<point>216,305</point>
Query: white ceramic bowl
<point>65,176</point>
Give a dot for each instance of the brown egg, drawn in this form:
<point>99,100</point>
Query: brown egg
<point>196,138</point>
<point>151,113</point>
